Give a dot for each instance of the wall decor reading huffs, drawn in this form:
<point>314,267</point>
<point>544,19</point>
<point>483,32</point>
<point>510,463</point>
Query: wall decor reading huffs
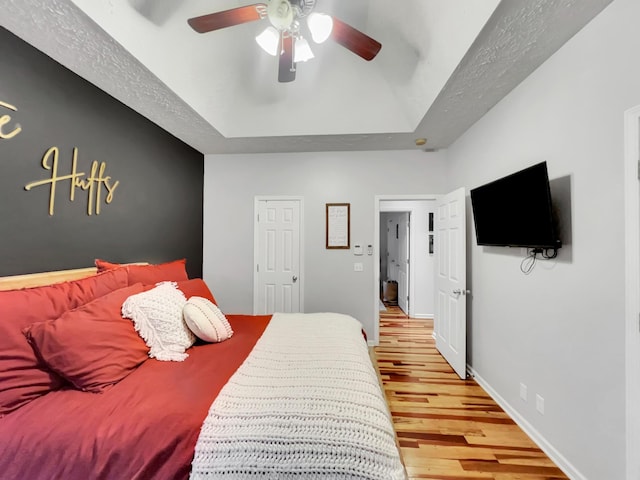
<point>91,183</point>
<point>5,119</point>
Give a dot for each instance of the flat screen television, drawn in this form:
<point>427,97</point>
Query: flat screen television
<point>516,211</point>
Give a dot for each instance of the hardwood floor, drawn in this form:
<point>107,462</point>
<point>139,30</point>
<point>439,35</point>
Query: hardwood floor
<point>448,428</point>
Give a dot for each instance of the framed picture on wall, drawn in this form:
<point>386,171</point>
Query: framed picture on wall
<point>338,226</point>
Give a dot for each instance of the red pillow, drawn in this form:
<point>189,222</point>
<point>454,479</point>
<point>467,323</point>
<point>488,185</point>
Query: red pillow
<point>195,288</point>
<point>91,346</point>
<point>103,265</point>
<point>22,376</point>
<point>150,274</point>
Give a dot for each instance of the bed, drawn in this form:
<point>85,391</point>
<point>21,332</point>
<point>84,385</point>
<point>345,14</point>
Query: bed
<point>286,396</point>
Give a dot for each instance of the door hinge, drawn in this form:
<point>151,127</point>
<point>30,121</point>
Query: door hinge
<point>638,169</point>
<point>258,218</point>
<point>258,268</point>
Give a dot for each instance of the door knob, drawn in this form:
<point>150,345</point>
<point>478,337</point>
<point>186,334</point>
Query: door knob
<point>295,279</point>
<point>457,291</point>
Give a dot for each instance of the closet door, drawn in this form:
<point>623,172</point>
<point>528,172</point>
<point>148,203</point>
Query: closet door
<point>277,251</point>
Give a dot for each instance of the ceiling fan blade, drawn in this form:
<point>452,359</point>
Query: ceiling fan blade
<point>228,18</point>
<point>354,40</point>
<point>286,65</point>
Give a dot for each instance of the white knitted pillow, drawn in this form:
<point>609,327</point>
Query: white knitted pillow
<point>204,318</point>
<point>157,317</point>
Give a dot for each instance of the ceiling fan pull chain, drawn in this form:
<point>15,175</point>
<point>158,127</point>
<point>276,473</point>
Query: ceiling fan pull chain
<point>281,42</point>
<point>306,6</point>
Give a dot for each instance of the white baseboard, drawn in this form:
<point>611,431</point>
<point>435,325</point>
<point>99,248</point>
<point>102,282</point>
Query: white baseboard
<point>426,316</point>
<point>536,436</point>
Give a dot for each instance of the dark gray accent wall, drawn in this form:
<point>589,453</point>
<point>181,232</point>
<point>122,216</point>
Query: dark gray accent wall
<point>156,211</point>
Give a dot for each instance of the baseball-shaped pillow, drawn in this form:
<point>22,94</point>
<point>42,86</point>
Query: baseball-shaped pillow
<point>205,320</point>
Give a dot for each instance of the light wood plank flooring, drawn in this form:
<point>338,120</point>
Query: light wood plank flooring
<point>448,428</point>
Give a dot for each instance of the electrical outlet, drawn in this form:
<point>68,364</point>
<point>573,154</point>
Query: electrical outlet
<point>358,267</point>
<point>523,392</point>
<point>540,404</point>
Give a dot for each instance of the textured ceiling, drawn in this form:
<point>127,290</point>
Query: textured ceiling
<point>232,83</point>
<point>442,66</point>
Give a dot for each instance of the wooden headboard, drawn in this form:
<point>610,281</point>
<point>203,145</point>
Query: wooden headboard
<point>44,278</point>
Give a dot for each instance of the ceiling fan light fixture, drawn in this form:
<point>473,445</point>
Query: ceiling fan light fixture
<point>268,40</point>
<point>281,14</point>
<point>302,51</point>
<point>320,25</point>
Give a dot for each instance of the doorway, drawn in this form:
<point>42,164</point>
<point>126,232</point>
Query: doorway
<point>395,260</point>
<point>447,273</point>
<point>420,273</point>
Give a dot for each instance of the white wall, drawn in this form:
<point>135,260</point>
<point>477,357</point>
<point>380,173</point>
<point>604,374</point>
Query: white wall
<point>232,181</point>
<point>560,330</point>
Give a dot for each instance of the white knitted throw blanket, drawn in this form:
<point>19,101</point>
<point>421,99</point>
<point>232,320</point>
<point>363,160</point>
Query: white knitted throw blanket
<point>306,404</point>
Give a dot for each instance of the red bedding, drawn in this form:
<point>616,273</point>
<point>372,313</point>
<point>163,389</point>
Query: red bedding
<point>146,426</point>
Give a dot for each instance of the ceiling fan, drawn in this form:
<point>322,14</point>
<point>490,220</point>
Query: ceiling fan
<point>283,37</point>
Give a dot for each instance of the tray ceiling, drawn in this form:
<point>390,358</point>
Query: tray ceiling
<point>442,66</point>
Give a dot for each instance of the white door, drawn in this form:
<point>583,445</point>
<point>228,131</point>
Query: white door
<point>451,281</point>
<point>277,257</point>
<point>403,262</point>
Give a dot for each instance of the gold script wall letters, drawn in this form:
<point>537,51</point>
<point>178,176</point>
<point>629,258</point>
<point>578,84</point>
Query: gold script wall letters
<point>4,119</point>
<point>92,183</point>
